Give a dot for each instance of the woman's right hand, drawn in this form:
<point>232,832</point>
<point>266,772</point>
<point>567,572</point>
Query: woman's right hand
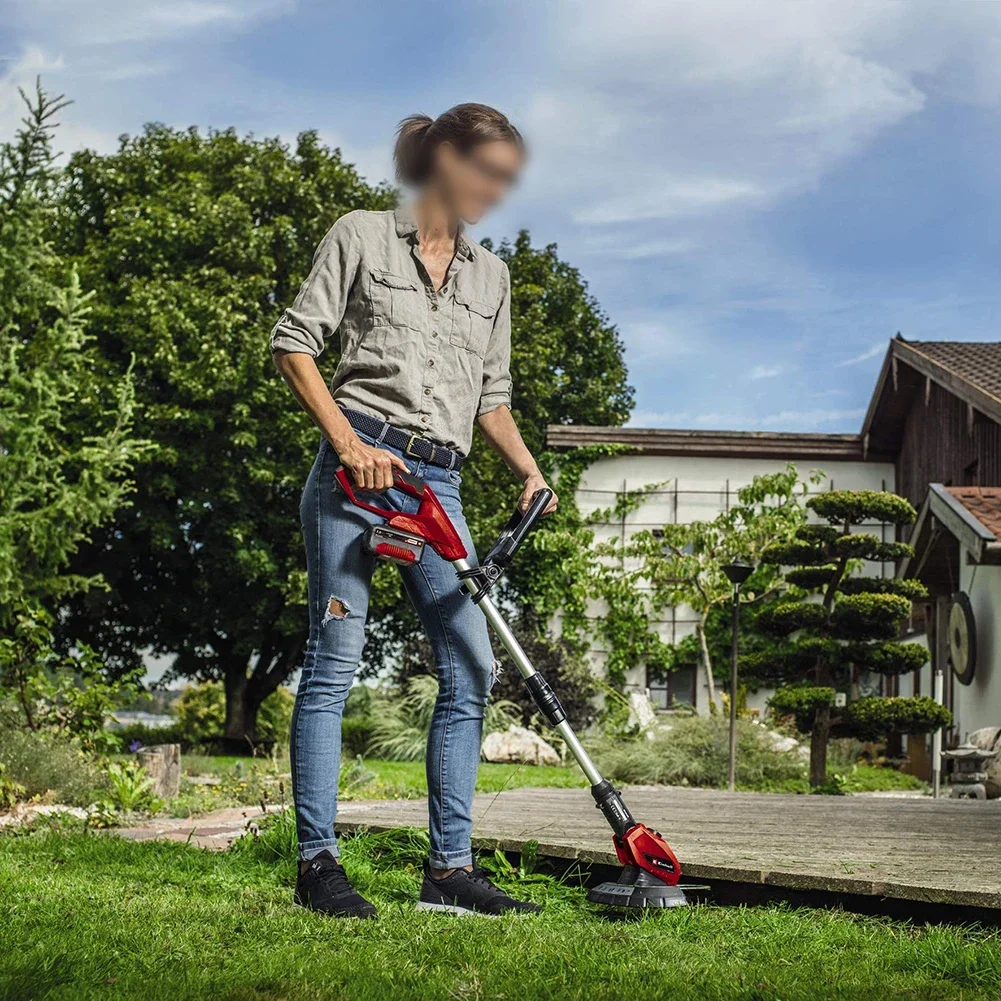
<point>371,468</point>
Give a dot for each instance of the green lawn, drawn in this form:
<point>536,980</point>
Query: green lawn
<point>88,916</point>
<point>246,781</point>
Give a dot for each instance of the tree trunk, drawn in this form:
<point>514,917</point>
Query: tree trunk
<point>163,766</point>
<point>819,736</point>
<point>240,723</point>
<point>245,693</point>
<point>707,664</point>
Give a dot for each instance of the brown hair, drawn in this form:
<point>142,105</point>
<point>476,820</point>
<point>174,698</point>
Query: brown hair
<point>464,126</point>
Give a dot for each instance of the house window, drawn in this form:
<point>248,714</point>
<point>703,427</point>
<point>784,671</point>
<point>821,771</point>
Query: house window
<point>672,689</point>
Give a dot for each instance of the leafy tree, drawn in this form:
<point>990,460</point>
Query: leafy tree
<point>66,446</point>
<point>681,564</point>
<point>193,243</point>
<point>854,624</point>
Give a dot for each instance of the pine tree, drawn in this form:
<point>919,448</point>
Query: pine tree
<point>65,441</point>
<point>854,624</point>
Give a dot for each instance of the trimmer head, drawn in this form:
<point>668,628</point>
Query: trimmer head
<point>637,888</point>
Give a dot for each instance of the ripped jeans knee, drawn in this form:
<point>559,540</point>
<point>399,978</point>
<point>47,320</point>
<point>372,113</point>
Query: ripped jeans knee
<point>337,608</point>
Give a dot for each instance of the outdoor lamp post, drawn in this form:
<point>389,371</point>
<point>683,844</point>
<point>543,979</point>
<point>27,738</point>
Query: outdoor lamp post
<point>736,572</point>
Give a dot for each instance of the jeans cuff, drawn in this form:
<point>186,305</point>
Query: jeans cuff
<point>310,849</point>
<point>450,860</point>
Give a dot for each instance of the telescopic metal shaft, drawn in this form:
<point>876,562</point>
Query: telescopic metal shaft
<point>525,668</point>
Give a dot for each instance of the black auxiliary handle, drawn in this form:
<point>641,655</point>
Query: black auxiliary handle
<point>512,536</point>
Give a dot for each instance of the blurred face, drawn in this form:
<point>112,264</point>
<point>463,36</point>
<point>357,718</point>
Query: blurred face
<point>474,182</point>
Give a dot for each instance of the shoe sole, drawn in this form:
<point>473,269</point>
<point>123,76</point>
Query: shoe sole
<point>453,909</point>
<point>337,914</point>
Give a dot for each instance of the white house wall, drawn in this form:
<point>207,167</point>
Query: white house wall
<point>979,704</point>
<point>694,488</point>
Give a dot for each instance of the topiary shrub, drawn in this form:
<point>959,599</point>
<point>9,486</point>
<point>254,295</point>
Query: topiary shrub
<point>874,717</point>
<point>855,622</point>
<point>801,702</point>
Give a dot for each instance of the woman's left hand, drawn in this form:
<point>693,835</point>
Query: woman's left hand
<point>533,485</point>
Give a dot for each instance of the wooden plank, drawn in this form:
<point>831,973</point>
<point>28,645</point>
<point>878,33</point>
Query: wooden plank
<point>938,851</point>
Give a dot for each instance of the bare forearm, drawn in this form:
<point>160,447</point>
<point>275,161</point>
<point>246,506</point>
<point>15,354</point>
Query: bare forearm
<point>304,380</point>
<point>505,439</point>
<point>371,468</point>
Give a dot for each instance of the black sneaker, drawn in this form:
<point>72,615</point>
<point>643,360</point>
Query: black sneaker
<point>324,887</point>
<point>468,893</point>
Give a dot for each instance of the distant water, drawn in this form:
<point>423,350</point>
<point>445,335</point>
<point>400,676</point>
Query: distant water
<point>155,721</point>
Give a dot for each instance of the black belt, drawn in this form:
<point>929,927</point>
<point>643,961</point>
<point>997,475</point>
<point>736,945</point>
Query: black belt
<point>409,444</point>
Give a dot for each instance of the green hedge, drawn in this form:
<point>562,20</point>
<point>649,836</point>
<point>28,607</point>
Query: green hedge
<point>876,717</point>
<point>857,506</point>
<point>818,534</point>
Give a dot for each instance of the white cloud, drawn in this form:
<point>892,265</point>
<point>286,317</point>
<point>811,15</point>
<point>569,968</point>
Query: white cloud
<point>73,24</point>
<point>765,372</point>
<point>874,351</point>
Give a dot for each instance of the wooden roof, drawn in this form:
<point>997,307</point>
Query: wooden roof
<point>723,444</point>
<point>970,516</point>
<point>970,371</point>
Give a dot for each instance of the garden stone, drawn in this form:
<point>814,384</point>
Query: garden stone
<point>516,745</point>
<point>642,714</point>
<point>788,744</point>
<point>989,739</point>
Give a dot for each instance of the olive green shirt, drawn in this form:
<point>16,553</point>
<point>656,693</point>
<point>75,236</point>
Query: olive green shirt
<point>424,361</point>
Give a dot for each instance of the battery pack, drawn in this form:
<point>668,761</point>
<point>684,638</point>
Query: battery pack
<point>387,543</point>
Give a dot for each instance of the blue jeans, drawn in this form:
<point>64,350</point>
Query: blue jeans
<point>340,576</point>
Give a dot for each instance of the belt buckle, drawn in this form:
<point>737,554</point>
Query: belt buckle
<point>409,450</point>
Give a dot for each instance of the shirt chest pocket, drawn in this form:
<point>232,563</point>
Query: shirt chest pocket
<point>472,322</point>
<point>396,301</point>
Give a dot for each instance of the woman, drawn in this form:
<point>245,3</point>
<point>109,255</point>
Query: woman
<point>423,315</point>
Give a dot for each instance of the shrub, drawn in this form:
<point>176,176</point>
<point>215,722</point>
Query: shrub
<point>907,587</point>
<point>874,717</point>
<point>801,702</point>
<point>865,546</point>
<point>694,751</point>
<point>812,577</point>
<point>148,736</point>
<point>401,721</point>
<point>52,767</point>
<point>858,506</point>
<point>790,616</point>
<point>889,657</point>
<point>201,714</point>
<point>869,616</point>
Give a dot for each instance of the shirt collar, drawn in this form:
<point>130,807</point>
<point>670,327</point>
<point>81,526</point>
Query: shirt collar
<point>406,227</point>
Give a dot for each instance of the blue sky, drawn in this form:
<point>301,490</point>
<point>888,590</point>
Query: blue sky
<point>760,193</point>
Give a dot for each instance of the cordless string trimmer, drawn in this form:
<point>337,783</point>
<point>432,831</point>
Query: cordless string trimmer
<point>651,871</point>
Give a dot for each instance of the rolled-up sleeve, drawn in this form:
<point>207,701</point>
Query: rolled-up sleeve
<point>496,388</point>
<point>319,307</point>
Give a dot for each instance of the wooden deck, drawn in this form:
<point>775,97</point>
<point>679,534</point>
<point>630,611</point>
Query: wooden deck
<point>930,851</point>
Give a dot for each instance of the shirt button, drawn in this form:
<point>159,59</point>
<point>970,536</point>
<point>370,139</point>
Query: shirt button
<point>427,392</point>
<point>434,309</point>
<point>434,333</point>
<point>424,419</point>
<point>430,362</point>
